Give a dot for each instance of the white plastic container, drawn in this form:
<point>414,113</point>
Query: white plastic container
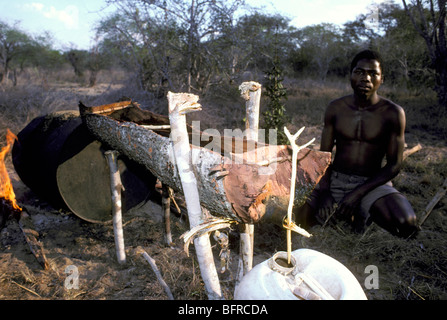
<point>311,275</point>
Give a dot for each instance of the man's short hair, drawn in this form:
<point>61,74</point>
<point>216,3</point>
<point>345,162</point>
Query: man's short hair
<point>367,54</point>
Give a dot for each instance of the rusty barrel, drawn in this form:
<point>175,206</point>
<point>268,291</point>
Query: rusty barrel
<point>60,161</point>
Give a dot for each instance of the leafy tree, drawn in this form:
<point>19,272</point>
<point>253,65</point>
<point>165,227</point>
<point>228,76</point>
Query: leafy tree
<point>404,53</point>
<point>260,38</point>
<point>275,115</point>
<point>97,60</point>
<point>321,44</point>
<point>429,20</point>
<point>144,44</point>
<point>169,39</point>
<point>78,60</point>
<point>13,45</point>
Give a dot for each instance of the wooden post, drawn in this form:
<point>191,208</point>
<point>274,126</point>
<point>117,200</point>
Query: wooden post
<point>179,105</point>
<point>166,205</point>
<point>251,92</point>
<point>116,187</point>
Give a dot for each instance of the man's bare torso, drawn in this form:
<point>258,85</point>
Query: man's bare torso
<point>362,135</point>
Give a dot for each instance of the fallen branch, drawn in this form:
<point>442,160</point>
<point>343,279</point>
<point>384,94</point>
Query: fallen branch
<point>25,288</point>
<point>409,152</point>
<point>154,267</point>
<point>441,192</point>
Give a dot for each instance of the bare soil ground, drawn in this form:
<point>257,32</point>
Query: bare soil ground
<point>408,269</point>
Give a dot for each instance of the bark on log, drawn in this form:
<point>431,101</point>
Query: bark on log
<point>240,187</point>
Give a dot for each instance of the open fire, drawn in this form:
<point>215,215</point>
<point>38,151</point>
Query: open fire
<point>10,209</point>
<point>8,203</point>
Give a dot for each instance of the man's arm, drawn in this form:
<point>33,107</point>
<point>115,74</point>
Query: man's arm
<point>327,144</point>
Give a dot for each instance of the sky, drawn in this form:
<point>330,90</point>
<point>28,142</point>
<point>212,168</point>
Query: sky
<point>71,22</point>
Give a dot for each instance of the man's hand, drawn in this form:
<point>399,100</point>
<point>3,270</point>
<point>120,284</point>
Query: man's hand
<point>349,205</point>
<point>326,206</point>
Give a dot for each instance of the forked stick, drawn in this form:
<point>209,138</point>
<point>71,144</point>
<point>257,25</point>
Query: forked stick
<point>295,150</point>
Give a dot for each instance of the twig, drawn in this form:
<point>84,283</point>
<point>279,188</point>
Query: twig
<point>171,196</point>
<point>414,291</point>
<point>415,149</point>
<point>156,127</point>
<point>333,210</point>
<point>25,288</point>
<point>441,192</point>
<point>156,271</point>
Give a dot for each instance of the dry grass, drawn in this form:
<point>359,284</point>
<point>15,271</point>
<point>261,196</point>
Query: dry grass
<point>408,269</point>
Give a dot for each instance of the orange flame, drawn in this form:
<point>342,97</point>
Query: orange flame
<point>6,190</point>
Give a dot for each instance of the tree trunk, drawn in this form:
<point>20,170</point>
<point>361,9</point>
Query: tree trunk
<point>4,75</point>
<point>433,33</point>
<point>441,81</point>
<point>242,187</point>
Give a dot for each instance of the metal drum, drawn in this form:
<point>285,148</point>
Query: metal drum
<point>59,160</point>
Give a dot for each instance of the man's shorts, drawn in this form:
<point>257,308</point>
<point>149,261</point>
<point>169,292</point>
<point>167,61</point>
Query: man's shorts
<point>342,184</point>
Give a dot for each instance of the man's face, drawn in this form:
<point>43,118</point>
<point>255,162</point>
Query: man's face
<point>366,77</point>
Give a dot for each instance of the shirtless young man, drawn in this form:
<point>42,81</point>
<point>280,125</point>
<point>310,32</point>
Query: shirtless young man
<point>364,128</point>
